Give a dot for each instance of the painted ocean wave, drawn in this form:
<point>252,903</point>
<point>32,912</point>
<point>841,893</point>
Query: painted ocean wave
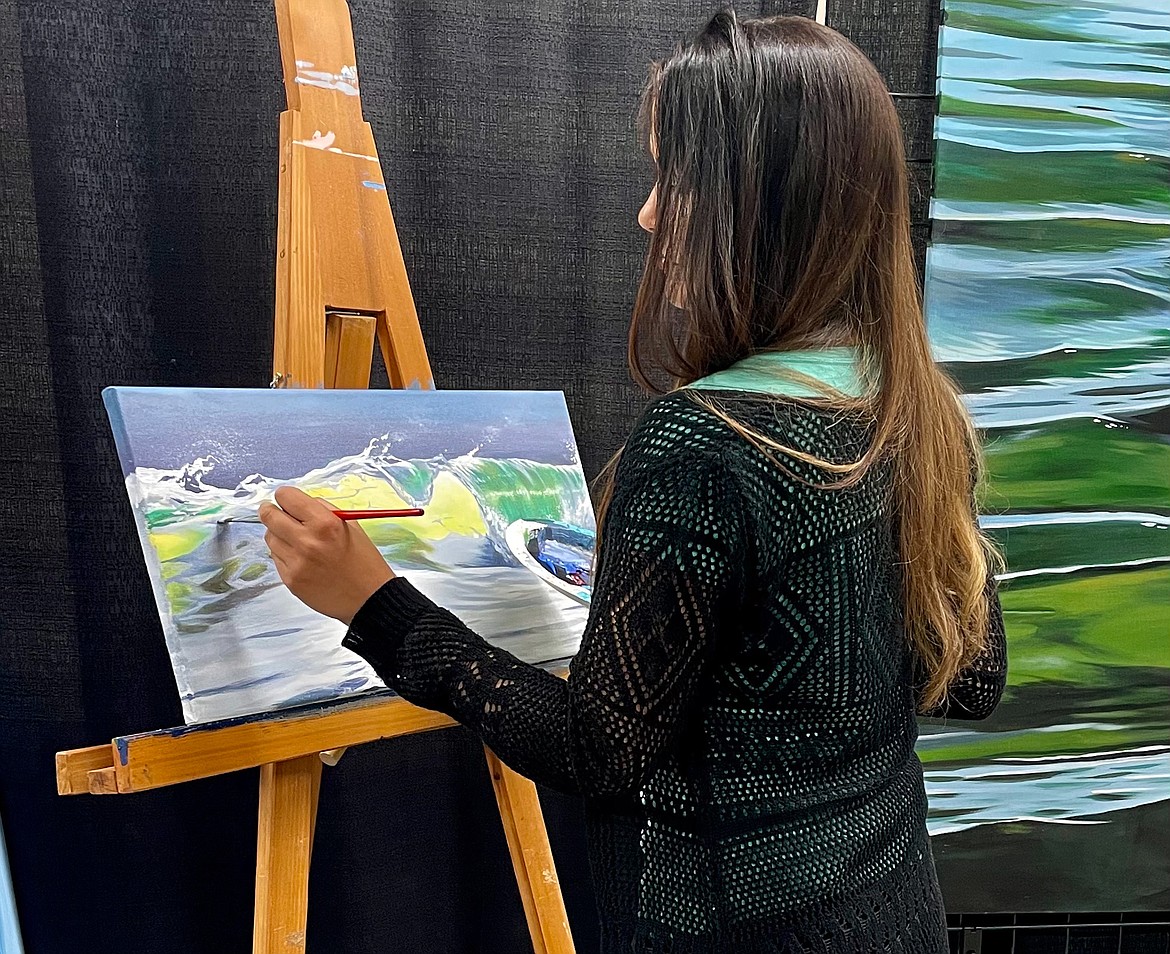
<point>1048,300</point>
<point>1069,789</point>
<point>220,592</point>
<point>958,211</point>
<point>487,493</point>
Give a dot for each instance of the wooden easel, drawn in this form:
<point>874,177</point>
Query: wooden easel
<point>340,282</point>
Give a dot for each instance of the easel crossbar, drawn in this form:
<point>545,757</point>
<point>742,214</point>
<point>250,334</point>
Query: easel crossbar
<point>150,760</point>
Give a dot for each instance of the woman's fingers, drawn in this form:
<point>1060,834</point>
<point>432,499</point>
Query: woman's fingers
<point>301,507</point>
<point>281,549</point>
<point>282,569</point>
<point>279,524</point>
<point>328,564</point>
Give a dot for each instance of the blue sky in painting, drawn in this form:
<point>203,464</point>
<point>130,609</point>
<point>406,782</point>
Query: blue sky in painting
<point>284,434</point>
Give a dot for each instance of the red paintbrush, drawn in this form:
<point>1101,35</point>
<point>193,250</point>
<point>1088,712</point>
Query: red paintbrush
<point>345,515</point>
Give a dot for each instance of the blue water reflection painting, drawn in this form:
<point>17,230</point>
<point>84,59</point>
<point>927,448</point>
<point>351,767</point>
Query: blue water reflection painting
<point>1048,298</point>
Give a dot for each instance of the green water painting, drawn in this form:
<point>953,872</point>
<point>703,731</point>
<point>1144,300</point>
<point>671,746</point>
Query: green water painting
<point>1048,299</point>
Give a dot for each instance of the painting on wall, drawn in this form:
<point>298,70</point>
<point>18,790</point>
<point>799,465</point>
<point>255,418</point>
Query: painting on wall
<point>1048,299</point>
<point>504,541</point>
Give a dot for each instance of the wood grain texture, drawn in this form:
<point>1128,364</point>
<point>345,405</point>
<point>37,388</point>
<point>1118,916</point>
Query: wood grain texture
<point>284,186</point>
<point>169,756</point>
<point>74,766</point>
<point>349,350</point>
<point>532,860</point>
<point>103,781</point>
<point>284,846</point>
<point>301,327</point>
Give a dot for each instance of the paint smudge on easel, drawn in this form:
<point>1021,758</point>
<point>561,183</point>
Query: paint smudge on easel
<point>344,82</point>
<point>319,141</point>
<point>370,184</point>
<point>324,143</point>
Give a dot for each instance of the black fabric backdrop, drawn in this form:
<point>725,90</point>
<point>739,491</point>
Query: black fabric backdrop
<point>138,183</point>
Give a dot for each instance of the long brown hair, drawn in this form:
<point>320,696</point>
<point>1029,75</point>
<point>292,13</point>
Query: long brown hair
<point>783,223</point>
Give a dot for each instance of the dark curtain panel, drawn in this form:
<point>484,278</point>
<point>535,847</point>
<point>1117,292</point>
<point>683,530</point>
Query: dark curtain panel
<point>138,175</point>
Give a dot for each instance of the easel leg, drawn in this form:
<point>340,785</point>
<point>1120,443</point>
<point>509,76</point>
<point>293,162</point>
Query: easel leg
<point>536,874</point>
<point>288,811</point>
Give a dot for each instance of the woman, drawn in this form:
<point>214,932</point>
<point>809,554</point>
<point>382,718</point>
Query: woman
<point>790,565</point>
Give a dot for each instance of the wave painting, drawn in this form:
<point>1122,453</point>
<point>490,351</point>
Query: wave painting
<point>476,463</point>
<point>1048,298</point>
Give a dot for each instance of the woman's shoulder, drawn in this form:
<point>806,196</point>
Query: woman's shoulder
<point>697,422</point>
<point>679,455</point>
<point>678,426</point>
<point>687,426</point>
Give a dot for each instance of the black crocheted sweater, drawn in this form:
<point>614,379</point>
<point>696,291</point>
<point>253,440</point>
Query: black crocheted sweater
<point>740,718</point>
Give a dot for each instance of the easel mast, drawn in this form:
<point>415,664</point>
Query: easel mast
<point>340,283</point>
<point>338,252</point>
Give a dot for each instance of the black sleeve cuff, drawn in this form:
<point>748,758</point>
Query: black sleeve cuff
<point>380,627</point>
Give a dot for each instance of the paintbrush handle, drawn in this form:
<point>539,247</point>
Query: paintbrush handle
<point>376,514</point>
<point>348,515</point>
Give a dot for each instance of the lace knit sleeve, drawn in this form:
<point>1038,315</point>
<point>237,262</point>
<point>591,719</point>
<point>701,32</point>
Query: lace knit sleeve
<point>976,691</point>
<point>670,576</point>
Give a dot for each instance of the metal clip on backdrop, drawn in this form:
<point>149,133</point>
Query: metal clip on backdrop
<point>340,283</point>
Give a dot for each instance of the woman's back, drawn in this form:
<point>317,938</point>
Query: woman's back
<point>740,716</point>
<point>791,792</point>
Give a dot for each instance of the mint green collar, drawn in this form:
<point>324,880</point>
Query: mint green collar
<point>770,372</point>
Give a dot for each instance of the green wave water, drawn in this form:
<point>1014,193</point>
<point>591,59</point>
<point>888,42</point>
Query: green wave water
<point>240,642</point>
<point>1048,299</point>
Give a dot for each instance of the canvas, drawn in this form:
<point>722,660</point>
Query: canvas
<point>1048,283</point>
<point>504,542</point>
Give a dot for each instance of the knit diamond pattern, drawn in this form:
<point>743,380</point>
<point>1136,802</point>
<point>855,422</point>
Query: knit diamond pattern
<point>740,717</point>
